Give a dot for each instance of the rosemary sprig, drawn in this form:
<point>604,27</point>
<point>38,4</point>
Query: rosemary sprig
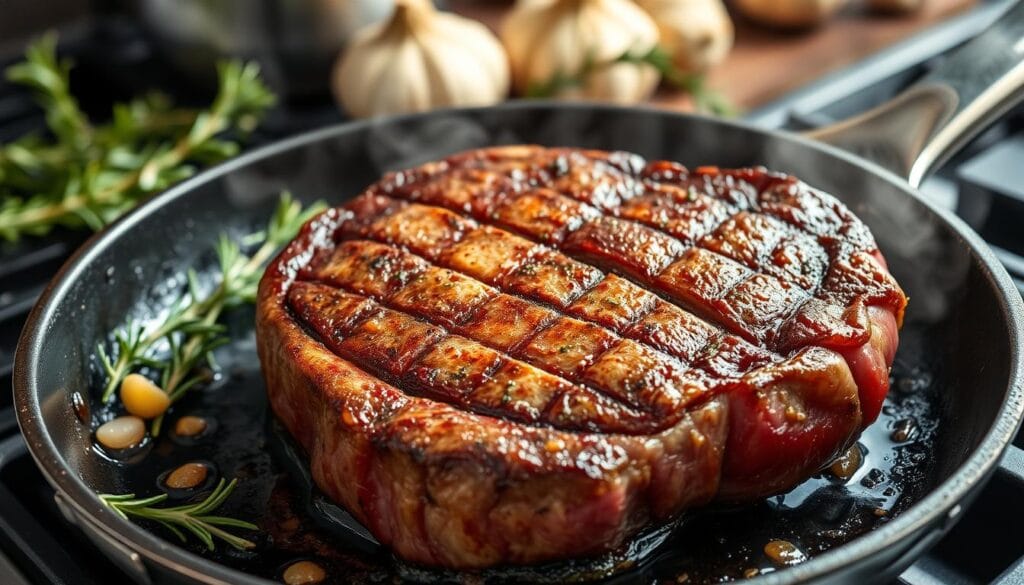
<point>91,174</point>
<point>190,328</point>
<point>704,99</point>
<point>193,518</point>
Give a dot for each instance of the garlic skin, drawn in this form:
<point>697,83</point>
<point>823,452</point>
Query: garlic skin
<point>547,39</point>
<point>789,13</point>
<point>418,60</point>
<point>696,33</point>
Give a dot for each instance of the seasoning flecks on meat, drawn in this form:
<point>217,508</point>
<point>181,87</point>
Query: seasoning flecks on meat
<point>488,253</point>
<point>674,331</point>
<point>520,354</point>
<point>682,213</point>
<point>615,303</point>
<point>551,277</point>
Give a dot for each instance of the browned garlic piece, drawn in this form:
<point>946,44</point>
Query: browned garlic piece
<point>304,572</point>
<point>190,426</point>
<point>187,476</point>
<point>142,397</point>
<point>582,40</point>
<point>418,60</point>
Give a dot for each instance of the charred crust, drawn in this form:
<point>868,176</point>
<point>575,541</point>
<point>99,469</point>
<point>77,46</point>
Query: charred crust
<point>629,461</point>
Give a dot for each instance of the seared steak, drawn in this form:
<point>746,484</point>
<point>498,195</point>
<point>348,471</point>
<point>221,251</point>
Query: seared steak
<point>521,354</point>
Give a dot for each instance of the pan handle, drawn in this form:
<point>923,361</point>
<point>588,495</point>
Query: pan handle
<point>918,130</point>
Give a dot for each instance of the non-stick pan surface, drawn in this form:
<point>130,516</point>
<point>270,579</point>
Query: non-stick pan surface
<point>958,378</point>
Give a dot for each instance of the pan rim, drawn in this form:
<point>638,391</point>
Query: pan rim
<point>936,510</point>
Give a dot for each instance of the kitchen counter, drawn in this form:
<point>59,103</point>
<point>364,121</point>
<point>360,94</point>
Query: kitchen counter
<point>765,64</point>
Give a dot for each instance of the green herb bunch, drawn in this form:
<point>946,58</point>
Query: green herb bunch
<point>86,175</point>
<point>182,341</point>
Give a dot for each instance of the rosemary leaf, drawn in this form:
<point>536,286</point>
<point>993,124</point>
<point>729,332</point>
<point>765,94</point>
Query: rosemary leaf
<point>92,174</point>
<point>48,77</point>
<point>193,518</point>
<point>190,330</point>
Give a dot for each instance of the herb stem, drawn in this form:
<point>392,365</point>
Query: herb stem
<point>91,174</point>
<point>205,129</point>
<point>190,328</point>
<point>193,518</point>
<point>28,219</point>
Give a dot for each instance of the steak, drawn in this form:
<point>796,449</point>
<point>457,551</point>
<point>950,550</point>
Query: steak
<point>521,354</point>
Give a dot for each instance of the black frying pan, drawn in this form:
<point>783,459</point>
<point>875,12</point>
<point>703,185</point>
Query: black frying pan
<point>958,375</point>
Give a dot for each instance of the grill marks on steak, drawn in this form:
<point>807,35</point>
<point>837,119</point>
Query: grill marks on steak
<point>519,354</point>
<point>767,222</point>
<point>446,486</point>
<point>784,267</point>
<point>531,352</point>
<point>637,384</point>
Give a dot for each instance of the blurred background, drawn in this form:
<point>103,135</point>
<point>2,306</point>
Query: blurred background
<point>789,64</point>
<point>750,51</point>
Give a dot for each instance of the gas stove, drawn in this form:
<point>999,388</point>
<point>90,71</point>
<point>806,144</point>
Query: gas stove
<point>984,184</point>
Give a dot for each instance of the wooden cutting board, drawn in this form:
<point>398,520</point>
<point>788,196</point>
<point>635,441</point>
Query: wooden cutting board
<point>766,64</point>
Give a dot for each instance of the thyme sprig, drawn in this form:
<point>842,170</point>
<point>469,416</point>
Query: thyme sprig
<point>90,174</point>
<point>192,518</point>
<point>189,332</point>
<point>705,99</point>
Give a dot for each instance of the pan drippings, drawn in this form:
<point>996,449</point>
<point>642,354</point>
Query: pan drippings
<point>721,543</point>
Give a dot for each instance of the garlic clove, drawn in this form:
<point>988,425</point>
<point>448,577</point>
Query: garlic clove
<point>121,433</point>
<point>581,40</point>
<point>698,34</point>
<point>303,573</point>
<point>142,397</point>
<point>187,476</point>
<point>622,83</point>
<point>420,59</point>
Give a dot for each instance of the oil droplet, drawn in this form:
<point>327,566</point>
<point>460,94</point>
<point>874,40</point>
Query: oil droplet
<point>109,274</point>
<point>904,430</point>
<point>81,407</point>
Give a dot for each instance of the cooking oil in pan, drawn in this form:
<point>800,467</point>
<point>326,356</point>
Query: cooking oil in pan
<point>711,545</point>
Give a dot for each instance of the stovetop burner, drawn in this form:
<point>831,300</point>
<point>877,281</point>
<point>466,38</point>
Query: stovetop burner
<point>984,184</point>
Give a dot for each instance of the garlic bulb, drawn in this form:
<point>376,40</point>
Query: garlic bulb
<point>789,13</point>
<point>696,33</point>
<point>420,59</point>
<point>575,48</point>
